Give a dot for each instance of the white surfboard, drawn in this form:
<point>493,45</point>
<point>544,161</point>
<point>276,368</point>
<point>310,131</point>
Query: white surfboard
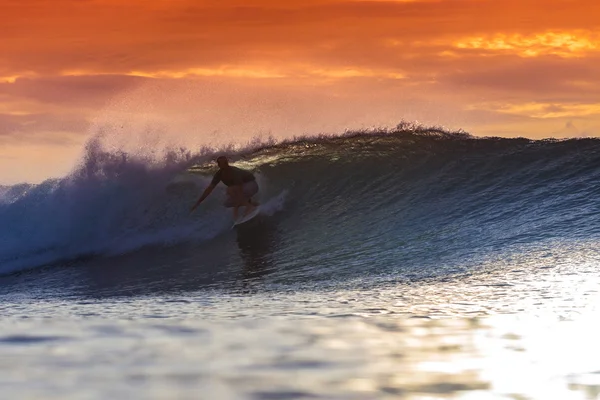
<point>248,217</point>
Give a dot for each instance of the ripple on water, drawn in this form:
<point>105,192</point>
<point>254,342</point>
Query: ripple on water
<point>30,339</point>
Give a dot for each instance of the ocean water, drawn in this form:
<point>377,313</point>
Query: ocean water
<point>405,264</point>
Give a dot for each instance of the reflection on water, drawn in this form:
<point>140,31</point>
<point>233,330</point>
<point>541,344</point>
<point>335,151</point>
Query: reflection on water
<point>234,348</point>
<point>256,242</point>
<point>520,326</point>
<point>237,257</point>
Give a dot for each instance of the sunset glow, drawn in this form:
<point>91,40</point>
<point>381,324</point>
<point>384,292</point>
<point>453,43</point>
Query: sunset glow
<point>486,66</point>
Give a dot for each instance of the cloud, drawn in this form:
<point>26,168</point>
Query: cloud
<point>563,44</point>
<point>543,110</point>
<point>80,91</point>
<point>547,79</point>
<point>56,109</point>
<point>41,128</point>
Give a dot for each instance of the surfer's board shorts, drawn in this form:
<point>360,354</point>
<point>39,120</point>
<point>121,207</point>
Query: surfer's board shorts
<point>249,189</point>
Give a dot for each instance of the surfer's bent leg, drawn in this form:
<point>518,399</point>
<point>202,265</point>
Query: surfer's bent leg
<point>235,199</point>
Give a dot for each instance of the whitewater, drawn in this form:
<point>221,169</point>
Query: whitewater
<point>410,263</point>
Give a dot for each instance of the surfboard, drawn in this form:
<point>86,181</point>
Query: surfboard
<point>247,218</point>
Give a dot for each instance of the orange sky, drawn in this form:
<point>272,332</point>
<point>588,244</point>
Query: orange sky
<point>230,69</point>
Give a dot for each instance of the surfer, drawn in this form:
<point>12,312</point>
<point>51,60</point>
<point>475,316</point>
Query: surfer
<point>241,186</point>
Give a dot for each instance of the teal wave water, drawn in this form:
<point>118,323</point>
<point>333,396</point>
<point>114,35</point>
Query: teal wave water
<point>431,201</point>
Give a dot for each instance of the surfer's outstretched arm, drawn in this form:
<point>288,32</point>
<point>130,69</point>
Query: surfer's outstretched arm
<point>207,191</point>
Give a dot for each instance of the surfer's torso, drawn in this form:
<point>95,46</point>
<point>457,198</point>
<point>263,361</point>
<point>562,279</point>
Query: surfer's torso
<point>232,176</point>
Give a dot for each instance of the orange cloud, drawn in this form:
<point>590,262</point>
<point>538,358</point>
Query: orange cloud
<point>291,71</point>
<point>543,110</point>
<point>152,36</point>
<point>563,44</point>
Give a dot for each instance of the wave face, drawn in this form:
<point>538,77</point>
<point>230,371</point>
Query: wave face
<point>362,201</point>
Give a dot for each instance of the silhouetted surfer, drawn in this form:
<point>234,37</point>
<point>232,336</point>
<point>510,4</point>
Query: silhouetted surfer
<point>241,186</point>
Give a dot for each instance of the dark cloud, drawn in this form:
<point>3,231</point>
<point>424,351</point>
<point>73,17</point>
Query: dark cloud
<point>548,79</point>
<point>41,128</point>
<point>77,91</point>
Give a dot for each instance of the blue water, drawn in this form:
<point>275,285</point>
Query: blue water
<point>368,241</point>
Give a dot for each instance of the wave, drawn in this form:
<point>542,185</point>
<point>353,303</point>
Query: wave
<point>360,187</point>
